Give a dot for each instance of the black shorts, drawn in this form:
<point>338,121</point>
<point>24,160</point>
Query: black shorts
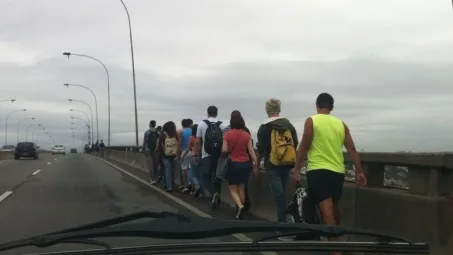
<point>238,172</point>
<point>323,184</point>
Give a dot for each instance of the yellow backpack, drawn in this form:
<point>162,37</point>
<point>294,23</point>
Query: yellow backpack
<point>283,151</point>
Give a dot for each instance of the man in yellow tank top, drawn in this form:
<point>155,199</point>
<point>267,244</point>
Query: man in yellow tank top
<point>323,140</point>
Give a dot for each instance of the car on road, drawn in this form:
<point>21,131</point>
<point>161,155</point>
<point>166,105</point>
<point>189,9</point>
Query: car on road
<point>10,148</point>
<point>59,149</point>
<point>26,149</point>
<point>73,150</point>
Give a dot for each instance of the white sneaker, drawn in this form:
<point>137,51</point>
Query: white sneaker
<point>152,182</point>
<point>285,238</point>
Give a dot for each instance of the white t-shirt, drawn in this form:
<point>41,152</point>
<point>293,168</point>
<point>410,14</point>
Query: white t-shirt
<point>201,132</point>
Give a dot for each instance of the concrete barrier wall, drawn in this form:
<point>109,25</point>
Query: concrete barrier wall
<point>422,212</point>
<point>4,155</point>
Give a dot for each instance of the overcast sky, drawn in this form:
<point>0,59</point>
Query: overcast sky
<point>387,63</point>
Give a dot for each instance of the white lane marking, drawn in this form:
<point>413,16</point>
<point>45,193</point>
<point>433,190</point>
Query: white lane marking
<point>5,195</point>
<point>36,172</point>
<point>240,237</point>
<point>54,158</point>
<point>49,163</point>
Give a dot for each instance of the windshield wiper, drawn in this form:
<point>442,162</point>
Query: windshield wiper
<point>170,225</point>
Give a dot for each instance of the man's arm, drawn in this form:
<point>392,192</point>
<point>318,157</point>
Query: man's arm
<point>262,144</point>
<point>198,139</point>
<point>156,151</point>
<point>305,144</point>
<point>179,142</point>
<point>145,136</point>
<point>352,152</point>
<point>294,135</point>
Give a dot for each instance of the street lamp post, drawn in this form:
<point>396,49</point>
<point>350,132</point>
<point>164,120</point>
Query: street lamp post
<point>6,123</point>
<point>86,125</point>
<point>88,121</point>
<point>84,129</point>
<point>18,125</point>
<point>91,111</point>
<point>26,131</point>
<point>133,73</point>
<point>96,104</point>
<point>108,84</point>
<point>6,100</point>
<point>34,132</point>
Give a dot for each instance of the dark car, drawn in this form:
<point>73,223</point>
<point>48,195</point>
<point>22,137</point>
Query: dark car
<point>73,150</point>
<point>26,149</point>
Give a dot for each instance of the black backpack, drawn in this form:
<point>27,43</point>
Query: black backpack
<point>213,138</point>
<point>302,209</point>
<point>152,138</point>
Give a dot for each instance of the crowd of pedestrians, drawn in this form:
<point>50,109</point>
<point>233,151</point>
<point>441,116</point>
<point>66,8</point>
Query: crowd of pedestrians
<point>214,152</point>
<point>96,149</point>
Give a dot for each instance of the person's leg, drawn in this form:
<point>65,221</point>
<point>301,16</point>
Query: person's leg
<point>185,175</point>
<point>320,190</point>
<point>247,202</point>
<point>241,193</point>
<point>327,213</point>
<point>285,174</point>
<point>236,196</point>
<point>154,164</point>
<point>168,166</point>
<point>234,192</point>
<point>195,174</point>
<point>201,191</point>
<point>336,183</point>
<point>182,175</point>
<point>206,173</point>
<point>336,212</point>
<point>190,185</point>
<point>216,183</point>
<point>161,168</point>
<point>150,162</point>
<point>276,187</point>
<point>182,178</point>
<point>328,216</point>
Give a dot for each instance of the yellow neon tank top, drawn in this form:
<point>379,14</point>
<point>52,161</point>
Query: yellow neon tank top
<point>326,151</point>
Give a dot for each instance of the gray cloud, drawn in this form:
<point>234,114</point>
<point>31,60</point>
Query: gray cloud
<point>388,70</point>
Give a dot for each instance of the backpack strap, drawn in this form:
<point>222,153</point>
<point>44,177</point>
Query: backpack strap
<point>218,123</point>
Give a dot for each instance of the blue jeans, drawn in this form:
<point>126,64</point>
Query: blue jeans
<point>189,176</point>
<point>196,176</point>
<point>169,165</point>
<point>278,180</point>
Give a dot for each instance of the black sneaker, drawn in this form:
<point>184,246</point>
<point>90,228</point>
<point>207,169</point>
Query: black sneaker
<point>197,192</point>
<point>247,206</point>
<point>215,203</point>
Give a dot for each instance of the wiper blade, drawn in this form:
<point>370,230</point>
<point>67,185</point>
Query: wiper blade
<point>65,236</point>
<point>124,218</point>
<point>169,225</point>
<point>299,246</point>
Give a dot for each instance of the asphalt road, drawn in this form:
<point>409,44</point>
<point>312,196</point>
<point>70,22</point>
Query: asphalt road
<point>57,192</point>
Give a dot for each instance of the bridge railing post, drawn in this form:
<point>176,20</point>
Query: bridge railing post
<point>375,174</point>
